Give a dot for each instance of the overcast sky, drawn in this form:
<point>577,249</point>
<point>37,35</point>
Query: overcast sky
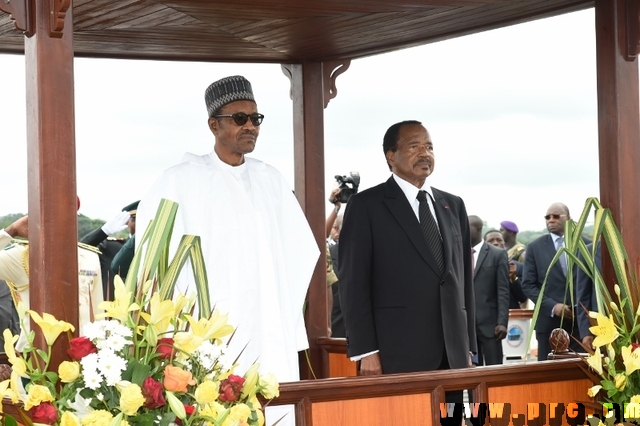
<point>512,113</point>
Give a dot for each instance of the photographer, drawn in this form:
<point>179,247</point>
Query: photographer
<point>333,225</point>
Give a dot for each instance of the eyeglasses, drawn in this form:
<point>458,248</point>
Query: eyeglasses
<point>240,118</point>
<point>555,216</point>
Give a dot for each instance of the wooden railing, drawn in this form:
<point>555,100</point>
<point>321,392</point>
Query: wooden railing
<point>410,399</point>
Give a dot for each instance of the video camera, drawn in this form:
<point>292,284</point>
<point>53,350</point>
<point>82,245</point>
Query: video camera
<point>348,186</point>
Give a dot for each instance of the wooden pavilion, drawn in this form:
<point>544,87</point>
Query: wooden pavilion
<point>315,42</point>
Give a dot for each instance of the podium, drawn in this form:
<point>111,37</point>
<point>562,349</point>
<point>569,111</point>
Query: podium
<point>515,345</point>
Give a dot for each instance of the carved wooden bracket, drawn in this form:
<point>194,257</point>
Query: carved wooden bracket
<point>330,72</point>
<point>21,11</point>
<point>632,30</point>
<point>58,11</point>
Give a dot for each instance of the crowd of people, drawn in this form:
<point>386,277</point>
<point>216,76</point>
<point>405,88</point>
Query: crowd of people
<point>414,283</point>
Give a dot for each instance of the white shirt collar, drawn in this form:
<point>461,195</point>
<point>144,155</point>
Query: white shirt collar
<point>410,190</point>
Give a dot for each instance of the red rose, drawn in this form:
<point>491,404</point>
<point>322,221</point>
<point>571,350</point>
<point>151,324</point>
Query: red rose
<point>189,409</point>
<point>231,388</point>
<point>165,348</point>
<point>81,347</point>
<point>634,346</point>
<point>152,392</point>
<point>45,413</point>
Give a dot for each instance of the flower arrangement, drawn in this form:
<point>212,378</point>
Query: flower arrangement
<point>613,363</point>
<point>147,360</point>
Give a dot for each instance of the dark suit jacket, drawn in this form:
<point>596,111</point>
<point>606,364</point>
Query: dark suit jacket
<point>393,296</point>
<point>491,284</point>
<point>122,260</point>
<point>108,247</point>
<point>337,321</point>
<point>587,294</point>
<point>516,295</point>
<point>540,252</point>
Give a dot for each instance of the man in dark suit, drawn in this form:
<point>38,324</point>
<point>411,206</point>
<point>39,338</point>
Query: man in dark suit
<point>491,285</point>
<point>556,308</point>
<point>587,298</point>
<point>407,293</point>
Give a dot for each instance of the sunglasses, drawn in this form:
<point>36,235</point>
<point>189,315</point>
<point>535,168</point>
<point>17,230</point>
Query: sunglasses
<point>555,216</point>
<point>240,118</point>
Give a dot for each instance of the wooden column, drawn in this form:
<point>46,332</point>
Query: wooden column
<point>618,119</point>
<point>308,134</point>
<point>53,258</point>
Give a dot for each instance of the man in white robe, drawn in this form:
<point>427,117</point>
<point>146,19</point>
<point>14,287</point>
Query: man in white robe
<point>258,248</point>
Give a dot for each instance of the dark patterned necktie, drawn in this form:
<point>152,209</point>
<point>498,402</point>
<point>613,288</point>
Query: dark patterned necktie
<point>430,230</point>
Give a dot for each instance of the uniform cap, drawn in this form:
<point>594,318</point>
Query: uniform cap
<point>509,226</point>
<point>131,208</point>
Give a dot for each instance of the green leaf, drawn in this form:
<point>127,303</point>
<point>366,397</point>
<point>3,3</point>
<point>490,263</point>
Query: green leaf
<point>140,372</point>
<point>9,421</point>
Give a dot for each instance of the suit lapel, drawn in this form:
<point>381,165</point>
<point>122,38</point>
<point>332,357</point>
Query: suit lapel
<point>399,207</point>
<point>484,251</point>
<point>551,247</point>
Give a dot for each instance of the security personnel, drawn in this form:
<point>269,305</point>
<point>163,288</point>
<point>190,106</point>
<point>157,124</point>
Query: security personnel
<point>110,246</point>
<point>122,260</point>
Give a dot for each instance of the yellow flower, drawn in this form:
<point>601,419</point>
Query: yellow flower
<point>250,381</point>
<point>213,410</point>
<point>635,398</point>
<point>214,327</point>
<point>630,359</point>
<point>36,395</point>
<point>50,326</point>
<point>5,391</point>
<point>131,399</point>
<point>19,367</point>
<point>207,392</point>
<point>238,415</point>
<point>69,419</point>
<point>620,381</point>
<point>605,331</point>
<point>595,360</point>
<point>97,418</point>
<point>68,371</point>
<point>269,385</point>
<point>159,318</point>
<point>594,390</point>
<point>121,306</point>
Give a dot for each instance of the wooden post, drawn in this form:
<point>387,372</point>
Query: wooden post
<point>53,251</point>
<point>618,122</point>
<point>308,134</point>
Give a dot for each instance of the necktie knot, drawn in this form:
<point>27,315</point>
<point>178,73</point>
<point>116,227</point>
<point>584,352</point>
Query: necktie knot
<point>559,243</point>
<point>422,195</point>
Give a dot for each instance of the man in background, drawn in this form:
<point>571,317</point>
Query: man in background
<point>491,285</point>
<point>515,250</point>
<point>556,307</point>
<point>110,246</point>
<point>122,260</point>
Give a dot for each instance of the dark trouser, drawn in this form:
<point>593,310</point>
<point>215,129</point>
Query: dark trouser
<point>489,351</point>
<point>452,397</point>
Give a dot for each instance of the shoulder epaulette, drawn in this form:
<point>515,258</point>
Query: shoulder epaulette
<point>90,248</point>
<point>116,239</point>
<point>17,242</point>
